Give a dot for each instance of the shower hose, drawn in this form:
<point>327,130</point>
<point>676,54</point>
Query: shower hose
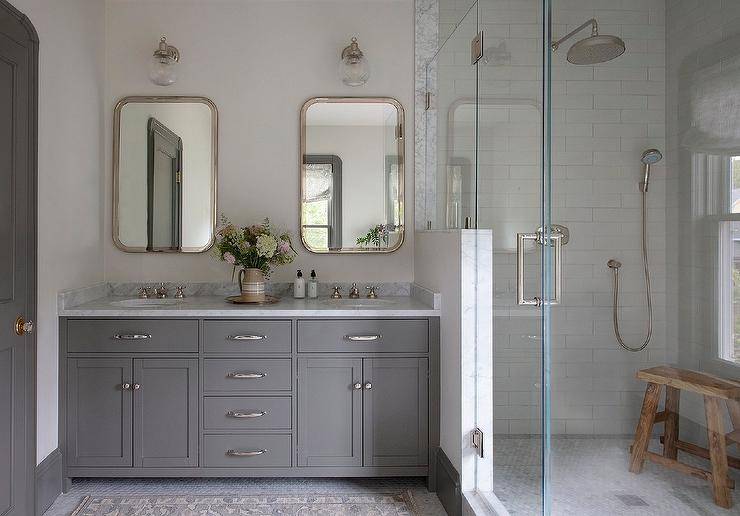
<point>614,265</point>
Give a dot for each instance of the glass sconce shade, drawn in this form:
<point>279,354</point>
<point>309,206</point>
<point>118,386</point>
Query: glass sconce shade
<point>163,64</point>
<point>354,67</point>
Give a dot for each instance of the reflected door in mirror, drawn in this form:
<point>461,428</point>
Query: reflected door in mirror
<point>164,167</point>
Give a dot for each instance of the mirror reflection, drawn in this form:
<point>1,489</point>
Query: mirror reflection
<point>352,175</point>
<point>165,174</point>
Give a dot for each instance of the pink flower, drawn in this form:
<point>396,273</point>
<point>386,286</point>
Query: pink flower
<point>229,258</point>
<point>284,247</point>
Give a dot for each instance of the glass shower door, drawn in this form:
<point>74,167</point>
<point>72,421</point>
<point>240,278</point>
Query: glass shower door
<point>488,168</point>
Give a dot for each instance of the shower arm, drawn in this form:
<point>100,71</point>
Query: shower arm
<point>594,32</point>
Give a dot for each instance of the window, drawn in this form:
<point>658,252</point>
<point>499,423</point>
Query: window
<point>729,272</point>
<point>322,203</point>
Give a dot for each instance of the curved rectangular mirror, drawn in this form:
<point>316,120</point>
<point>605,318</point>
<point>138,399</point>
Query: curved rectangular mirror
<point>352,176</point>
<point>164,174</point>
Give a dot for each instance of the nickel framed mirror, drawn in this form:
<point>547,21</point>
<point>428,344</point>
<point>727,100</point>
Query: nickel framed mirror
<point>352,175</point>
<point>165,155</point>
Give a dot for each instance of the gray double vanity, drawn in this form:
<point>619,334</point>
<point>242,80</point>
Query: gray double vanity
<point>197,388</point>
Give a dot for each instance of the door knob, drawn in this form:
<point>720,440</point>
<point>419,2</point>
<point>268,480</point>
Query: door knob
<point>22,326</point>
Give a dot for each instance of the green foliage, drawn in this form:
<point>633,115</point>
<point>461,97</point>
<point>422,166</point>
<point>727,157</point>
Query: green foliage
<point>376,236</point>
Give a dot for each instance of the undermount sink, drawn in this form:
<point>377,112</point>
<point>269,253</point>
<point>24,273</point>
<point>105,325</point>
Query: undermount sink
<point>358,303</point>
<point>136,303</point>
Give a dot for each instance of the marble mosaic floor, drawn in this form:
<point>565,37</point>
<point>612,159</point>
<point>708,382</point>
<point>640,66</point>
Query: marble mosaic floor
<point>426,503</point>
<point>590,478</point>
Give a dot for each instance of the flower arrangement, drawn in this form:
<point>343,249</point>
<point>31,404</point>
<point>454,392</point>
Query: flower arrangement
<point>376,236</point>
<point>258,246</point>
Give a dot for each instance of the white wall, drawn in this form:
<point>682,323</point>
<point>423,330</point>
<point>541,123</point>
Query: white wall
<point>70,184</point>
<point>437,266</point>
<point>259,60</point>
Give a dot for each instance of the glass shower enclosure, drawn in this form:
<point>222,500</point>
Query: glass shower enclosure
<point>488,167</point>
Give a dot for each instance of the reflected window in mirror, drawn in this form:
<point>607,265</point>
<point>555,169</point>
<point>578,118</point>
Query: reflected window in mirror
<point>164,174</point>
<point>322,201</point>
<point>352,175</point>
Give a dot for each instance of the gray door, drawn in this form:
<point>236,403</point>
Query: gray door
<point>18,50</point>
<point>396,411</point>
<point>165,412</point>
<point>99,411</point>
<point>329,412</point>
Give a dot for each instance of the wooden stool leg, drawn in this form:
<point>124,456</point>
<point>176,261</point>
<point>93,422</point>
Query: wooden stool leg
<point>672,398</point>
<point>644,427</point>
<point>733,406</point>
<point>717,452</point>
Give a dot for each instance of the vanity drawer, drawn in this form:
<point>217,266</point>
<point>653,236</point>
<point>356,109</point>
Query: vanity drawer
<point>242,413</point>
<point>247,374</point>
<point>247,451</point>
<point>246,337</point>
<point>132,336</point>
<point>372,335</point>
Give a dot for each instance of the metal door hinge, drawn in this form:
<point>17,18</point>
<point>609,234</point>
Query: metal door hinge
<point>178,177</point>
<point>476,441</point>
<point>476,48</point>
<point>427,100</point>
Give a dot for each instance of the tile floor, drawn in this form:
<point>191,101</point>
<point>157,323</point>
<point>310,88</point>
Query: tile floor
<point>427,503</point>
<point>590,478</point>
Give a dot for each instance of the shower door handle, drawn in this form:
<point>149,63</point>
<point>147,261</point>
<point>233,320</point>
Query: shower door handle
<point>521,299</point>
<point>557,238</point>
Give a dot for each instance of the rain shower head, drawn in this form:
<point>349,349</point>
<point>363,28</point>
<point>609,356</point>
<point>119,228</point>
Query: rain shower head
<point>594,49</point>
<point>649,157</point>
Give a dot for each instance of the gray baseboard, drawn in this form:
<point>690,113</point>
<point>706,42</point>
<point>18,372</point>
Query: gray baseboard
<point>48,481</point>
<point>448,485</point>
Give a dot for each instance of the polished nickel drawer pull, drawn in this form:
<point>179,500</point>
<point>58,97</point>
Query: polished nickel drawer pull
<point>132,336</point>
<point>245,415</point>
<point>247,376</point>
<point>363,338</point>
<point>246,337</point>
<point>251,453</point>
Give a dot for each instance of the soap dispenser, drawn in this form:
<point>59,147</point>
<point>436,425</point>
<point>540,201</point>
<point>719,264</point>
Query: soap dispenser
<point>313,286</point>
<point>299,286</point>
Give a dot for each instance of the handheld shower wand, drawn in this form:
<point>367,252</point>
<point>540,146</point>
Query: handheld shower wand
<point>649,157</point>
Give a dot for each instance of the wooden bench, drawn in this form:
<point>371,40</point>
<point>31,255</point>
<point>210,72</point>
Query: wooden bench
<point>714,391</point>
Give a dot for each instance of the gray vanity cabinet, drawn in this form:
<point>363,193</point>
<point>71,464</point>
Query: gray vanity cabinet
<point>363,412</point>
<point>396,411</point>
<point>132,412</point>
<point>329,412</point>
<point>166,412</point>
<point>99,412</point>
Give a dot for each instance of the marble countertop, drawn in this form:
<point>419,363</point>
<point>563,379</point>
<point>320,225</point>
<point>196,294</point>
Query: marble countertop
<point>217,306</point>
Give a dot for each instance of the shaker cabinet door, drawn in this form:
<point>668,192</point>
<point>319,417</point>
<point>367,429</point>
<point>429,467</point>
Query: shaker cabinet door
<point>329,412</point>
<point>165,412</point>
<point>99,412</point>
<point>396,411</point>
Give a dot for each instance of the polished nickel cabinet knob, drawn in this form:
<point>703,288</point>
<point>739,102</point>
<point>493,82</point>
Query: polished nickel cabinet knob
<point>368,386</point>
<point>357,386</point>
<point>125,386</point>
<point>137,386</point>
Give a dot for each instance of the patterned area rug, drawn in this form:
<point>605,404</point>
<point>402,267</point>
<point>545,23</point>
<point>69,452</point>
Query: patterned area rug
<point>358,504</point>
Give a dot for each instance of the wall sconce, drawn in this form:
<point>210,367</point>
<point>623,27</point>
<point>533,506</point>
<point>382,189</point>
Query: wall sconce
<point>163,65</point>
<point>354,66</point>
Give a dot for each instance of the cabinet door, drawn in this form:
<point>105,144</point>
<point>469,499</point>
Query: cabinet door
<point>165,412</point>
<point>99,412</point>
<point>329,412</point>
<point>396,411</point>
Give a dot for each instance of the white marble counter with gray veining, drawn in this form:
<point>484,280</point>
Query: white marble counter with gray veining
<point>101,301</point>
